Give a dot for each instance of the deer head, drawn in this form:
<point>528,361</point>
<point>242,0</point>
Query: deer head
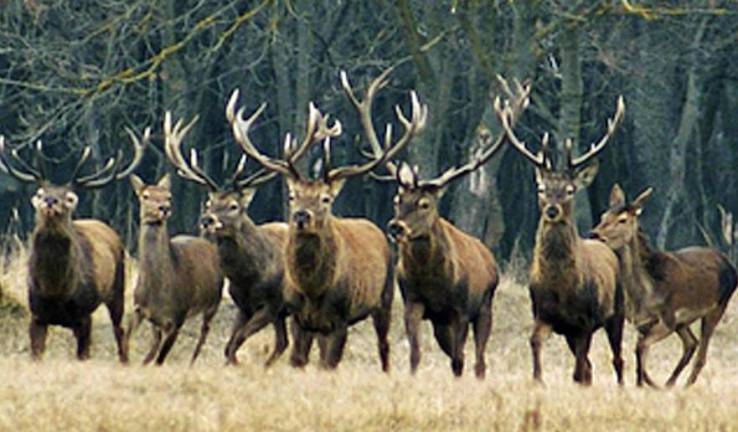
<point>56,203</point>
<point>311,200</point>
<point>155,200</point>
<point>556,187</point>
<point>619,224</point>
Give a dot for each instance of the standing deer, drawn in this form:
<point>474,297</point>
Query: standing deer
<point>575,287</point>
<point>251,256</point>
<point>340,268</point>
<point>665,292</point>
<point>445,275</point>
<point>74,265</point>
<point>178,277</point>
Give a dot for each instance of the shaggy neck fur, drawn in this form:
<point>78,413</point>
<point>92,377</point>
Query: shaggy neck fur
<point>426,255</point>
<point>635,258</point>
<point>555,255</point>
<point>56,263</point>
<point>245,254</point>
<point>312,260</point>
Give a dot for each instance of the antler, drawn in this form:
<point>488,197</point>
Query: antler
<point>505,118</point>
<point>111,169</point>
<point>26,173</point>
<point>173,136</point>
<point>380,154</point>
<point>316,129</point>
<point>516,101</point>
<point>612,125</point>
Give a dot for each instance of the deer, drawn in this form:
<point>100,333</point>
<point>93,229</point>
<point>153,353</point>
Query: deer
<point>574,283</point>
<point>445,275</point>
<point>74,264</point>
<point>178,277</point>
<point>340,269</point>
<point>665,292</point>
<point>251,255</point>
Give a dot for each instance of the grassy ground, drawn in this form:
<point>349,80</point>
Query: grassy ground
<point>63,394</point>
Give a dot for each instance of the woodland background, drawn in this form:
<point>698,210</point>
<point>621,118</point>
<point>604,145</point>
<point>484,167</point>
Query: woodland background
<point>76,73</point>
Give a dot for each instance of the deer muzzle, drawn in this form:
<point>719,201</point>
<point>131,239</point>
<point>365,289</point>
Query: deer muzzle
<point>301,219</point>
<point>397,230</point>
<point>552,213</point>
<point>210,224</point>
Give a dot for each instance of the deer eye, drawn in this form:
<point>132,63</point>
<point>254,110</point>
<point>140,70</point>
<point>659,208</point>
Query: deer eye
<point>291,197</point>
<point>424,204</point>
<point>208,204</point>
<point>622,220</point>
<point>325,199</point>
<point>541,189</point>
<point>396,200</point>
<point>569,190</point>
<point>145,195</point>
<point>234,206</point>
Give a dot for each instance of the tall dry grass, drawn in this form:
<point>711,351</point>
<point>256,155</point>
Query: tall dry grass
<point>63,394</point>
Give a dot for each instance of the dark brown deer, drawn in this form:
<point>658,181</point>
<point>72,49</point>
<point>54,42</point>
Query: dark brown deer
<point>252,256</point>
<point>574,286</point>
<point>445,275</point>
<point>340,268</point>
<point>665,292</point>
<point>74,265</point>
<point>178,278</point>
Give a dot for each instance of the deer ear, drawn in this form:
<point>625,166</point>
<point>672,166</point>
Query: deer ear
<point>245,196</point>
<point>586,175</point>
<point>136,183</point>
<point>640,199</point>
<point>617,196</point>
<point>165,182</point>
<point>406,176</point>
<point>336,186</point>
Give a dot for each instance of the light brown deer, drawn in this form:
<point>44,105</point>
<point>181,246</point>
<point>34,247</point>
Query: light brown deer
<point>665,292</point>
<point>178,278</point>
<point>340,268</point>
<point>575,286</point>
<point>74,265</point>
<point>445,275</point>
<point>252,256</point>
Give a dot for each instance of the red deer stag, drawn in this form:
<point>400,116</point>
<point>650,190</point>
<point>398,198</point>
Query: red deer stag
<point>74,265</point>
<point>665,291</point>
<point>445,275</point>
<point>252,256</point>
<point>340,268</point>
<point>178,277</point>
<point>574,286</point>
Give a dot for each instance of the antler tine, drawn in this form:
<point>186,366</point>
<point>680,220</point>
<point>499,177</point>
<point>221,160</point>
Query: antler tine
<point>111,169</point>
<point>100,178</point>
<point>86,152</point>
<point>256,178</point>
<point>381,154</point>
<point>28,175</point>
<point>504,117</point>
<point>515,103</point>
<point>138,151</point>
<point>612,125</point>
<point>173,138</point>
<point>41,160</point>
<point>240,128</point>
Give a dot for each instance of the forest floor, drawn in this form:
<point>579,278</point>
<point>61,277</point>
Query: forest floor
<point>61,393</point>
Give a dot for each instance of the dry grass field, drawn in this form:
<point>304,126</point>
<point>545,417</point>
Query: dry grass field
<point>100,395</point>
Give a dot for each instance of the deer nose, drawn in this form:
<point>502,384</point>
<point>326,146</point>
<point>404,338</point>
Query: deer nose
<point>594,235</point>
<point>551,212</point>
<point>395,229</point>
<point>50,201</point>
<point>206,222</point>
<point>165,209</point>
<point>301,218</point>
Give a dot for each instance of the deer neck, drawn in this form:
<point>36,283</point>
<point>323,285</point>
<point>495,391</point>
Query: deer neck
<point>641,297</point>
<point>555,254</point>
<point>426,252</point>
<point>312,258</point>
<point>244,255</point>
<point>56,261</point>
<point>156,261</point>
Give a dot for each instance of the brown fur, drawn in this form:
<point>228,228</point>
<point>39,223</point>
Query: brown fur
<point>445,276</point>
<point>666,291</point>
<point>73,267</point>
<point>252,258</point>
<point>178,278</point>
<point>574,283</point>
<point>340,272</point>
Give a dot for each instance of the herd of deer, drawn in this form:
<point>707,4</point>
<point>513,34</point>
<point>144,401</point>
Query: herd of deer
<point>328,272</point>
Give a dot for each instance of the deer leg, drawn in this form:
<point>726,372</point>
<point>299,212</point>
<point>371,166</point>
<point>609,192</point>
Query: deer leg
<point>709,322</point>
<point>171,331</point>
<point>654,334</point>
<point>302,342</point>
<point>460,330</point>
<point>207,316</point>
<point>258,321</point>
<point>229,352</point>
<point>445,336</point>
<point>280,339</point>
<point>82,334</point>
<point>115,311</point>
<point>155,342</point>
<point>482,329</point>
<point>689,344</point>
<point>335,344</point>
<point>583,367</point>
<point>541,332</point>
<point>614,330</point>
<point>133,322</point>
<point>37,332</point>
<point>381,320</point>
<point>413,315</point>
